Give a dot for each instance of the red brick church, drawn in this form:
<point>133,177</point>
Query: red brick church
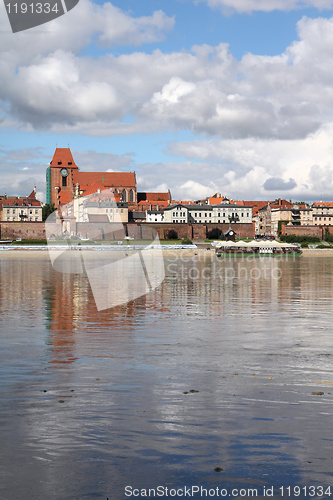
<point>64,181</point>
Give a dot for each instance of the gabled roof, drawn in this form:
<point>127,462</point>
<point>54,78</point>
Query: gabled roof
<point>32,195</point>
<point>63,156</point>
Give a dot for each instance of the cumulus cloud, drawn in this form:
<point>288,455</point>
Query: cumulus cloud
<point>248,6</point>
<point>278,184</point>
<point>205,90</point>
<point>259,119</point>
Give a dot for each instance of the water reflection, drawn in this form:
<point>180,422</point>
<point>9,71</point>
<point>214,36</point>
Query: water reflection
<point>92,401</point>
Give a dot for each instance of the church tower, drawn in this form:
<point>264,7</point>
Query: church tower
<point>60,184</point>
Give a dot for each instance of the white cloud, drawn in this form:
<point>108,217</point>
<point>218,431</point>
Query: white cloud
<point>248,6</point>
<point>259,118</point>
<point>241,169</point>
<point>195,190</point>
<point>205,90</point>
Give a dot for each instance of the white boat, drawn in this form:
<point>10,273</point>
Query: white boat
<point>257,248</point>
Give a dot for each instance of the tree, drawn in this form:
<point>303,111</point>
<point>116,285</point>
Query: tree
<point>172,235</point>
<point>47,210</point>
<point>215,234</point>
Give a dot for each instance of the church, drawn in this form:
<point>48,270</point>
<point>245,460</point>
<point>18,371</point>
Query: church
<point>64,181</point>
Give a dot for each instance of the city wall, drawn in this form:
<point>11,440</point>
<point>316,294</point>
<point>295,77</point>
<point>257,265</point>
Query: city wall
<point>24,230</point>
<point>36,230</point>
<point>318,231</point>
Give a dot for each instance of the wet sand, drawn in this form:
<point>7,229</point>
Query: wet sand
<point>167,252</point>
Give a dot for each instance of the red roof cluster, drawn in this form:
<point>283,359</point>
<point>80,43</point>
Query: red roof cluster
<point>26,201</point>
<point>323,204</point>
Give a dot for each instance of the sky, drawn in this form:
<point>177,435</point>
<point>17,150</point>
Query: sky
<point>195,96</point>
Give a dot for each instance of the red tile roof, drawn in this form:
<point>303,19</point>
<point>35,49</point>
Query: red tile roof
<point>157,196</point>
<point>256,204</point>
<point>92,189</point>
<point>20,202</point>
<point>323,204</point>
<point>65,197</point>
<point>106,179</point>
<point>63,156</point>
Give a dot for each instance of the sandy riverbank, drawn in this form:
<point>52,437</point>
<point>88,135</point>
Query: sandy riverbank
<point>15,252</point>
<point>317,252</point>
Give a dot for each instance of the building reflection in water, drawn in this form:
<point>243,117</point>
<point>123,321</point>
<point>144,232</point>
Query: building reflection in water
<point>219,327</point>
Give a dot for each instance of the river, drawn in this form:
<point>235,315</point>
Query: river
<point>220,379</point>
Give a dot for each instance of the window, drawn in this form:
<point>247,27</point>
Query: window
<point>13,210</point>
<point>8,211</point>
<point>200,214</point>
<point>36,219</point>
<point>210,214</point>
<point>223,214</point>
<point>36,210</point>
<point>64,182</point>
<point>196,215</point>
<point>242,214</point>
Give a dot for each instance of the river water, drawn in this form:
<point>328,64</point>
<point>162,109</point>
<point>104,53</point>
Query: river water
<point>96,402</point>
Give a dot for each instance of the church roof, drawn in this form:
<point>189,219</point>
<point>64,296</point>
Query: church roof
<point>63,156</point>
<point>106,179</point>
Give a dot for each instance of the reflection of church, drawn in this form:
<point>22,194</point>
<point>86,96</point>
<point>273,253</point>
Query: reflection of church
<point>64,181</point>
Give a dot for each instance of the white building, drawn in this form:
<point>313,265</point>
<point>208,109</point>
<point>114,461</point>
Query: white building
<point>206,214</point>
<point>154,216</point>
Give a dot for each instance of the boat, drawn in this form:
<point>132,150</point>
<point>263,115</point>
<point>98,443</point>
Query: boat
<point>6,242</point>
<point>256,248</point>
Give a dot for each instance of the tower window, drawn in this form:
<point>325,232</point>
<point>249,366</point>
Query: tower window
<point>64,181</point>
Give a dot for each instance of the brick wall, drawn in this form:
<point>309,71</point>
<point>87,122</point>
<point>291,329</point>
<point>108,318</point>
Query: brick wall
<point>306,230</point>
<point>197,231</point>
<point>24,230</point>
<point>36,230</point>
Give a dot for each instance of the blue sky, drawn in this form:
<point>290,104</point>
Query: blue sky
<point>199,96</point>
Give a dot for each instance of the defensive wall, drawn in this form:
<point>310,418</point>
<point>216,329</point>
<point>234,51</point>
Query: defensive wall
<point>24,230</point>
<point>100,231</point>
<point>318,231</point>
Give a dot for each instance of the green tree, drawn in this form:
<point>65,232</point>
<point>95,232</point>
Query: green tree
<point>47,210</point>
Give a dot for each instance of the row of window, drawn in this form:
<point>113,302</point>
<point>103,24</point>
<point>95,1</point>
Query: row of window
<point>200,221</point>
<point>198,214</point>
<point>22,212</point>
<point>31,219</point>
